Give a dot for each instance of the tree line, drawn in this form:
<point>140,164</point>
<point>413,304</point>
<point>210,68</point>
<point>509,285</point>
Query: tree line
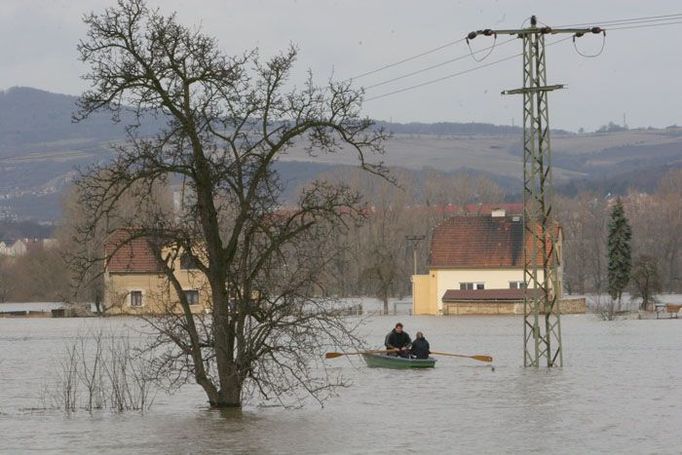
<point>374,258</point>
<point>655,220</point>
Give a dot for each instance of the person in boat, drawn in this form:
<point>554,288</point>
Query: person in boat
<point>420,347</point>
<point>398,340</point>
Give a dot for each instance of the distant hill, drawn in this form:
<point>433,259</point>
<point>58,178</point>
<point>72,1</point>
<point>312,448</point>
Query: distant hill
<point>31,116</point>
<point>41,148</point>
<point>645,180</point>
<point>449,128</point>
<point>454,129</point>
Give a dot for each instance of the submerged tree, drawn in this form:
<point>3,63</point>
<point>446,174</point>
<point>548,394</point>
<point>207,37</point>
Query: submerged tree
<point>227,120</point>
<point>619,252</point>
<point>645,280</point>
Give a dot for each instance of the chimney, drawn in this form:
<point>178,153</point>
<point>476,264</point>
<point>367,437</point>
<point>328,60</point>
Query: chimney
<point>498,213</point>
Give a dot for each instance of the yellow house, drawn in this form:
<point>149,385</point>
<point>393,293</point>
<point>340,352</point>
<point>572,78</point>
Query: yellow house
<point>135,284</point>
<point>476,267</point>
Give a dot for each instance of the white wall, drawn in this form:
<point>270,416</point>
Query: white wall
<point>492,278</point>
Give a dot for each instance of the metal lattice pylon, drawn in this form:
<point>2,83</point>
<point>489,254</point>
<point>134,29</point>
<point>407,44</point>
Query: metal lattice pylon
<point>542,321</point>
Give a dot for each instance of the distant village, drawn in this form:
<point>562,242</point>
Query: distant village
<point>20,247</point>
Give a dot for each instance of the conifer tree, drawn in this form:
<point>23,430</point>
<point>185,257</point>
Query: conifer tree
<point>619,251</point>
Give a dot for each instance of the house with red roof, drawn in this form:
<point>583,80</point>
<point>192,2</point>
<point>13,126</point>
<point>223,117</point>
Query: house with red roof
<point>135,282</point>
<point>476,267</point>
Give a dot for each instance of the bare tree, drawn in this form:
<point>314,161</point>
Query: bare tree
<point>585,221</point>
<point>645,280</point>
<point>102,368</point>
<point>39,275</point>
<point>227,120</point>
<point>669,224</point>
<point>385,266</point>
<point>5,279</point>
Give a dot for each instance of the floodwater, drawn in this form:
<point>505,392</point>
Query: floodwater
<point>620,391</point>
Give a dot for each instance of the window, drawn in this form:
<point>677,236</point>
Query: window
<point>517,285</point>
<point>471,286</point>
<point>187,262</point>
<point>192,297</point>
<point>136,298</point>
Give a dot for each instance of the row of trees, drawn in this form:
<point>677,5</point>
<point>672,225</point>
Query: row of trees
<point>653,234</point>
<point>372,256</point>
<point>39,276</point>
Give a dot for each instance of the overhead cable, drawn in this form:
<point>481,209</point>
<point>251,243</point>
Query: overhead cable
<point>438,65</point>
<point>459,73</point>
<point>408,59</point>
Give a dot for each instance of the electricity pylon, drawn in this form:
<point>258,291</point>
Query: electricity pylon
<point>542,321</point>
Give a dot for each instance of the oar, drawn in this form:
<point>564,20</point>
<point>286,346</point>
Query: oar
<point>333,355</point>
<point>480,358</point>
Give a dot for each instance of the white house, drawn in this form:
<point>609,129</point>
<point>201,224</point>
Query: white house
<point>476,267</point>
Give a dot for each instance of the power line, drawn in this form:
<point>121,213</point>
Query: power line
<point>459,73</point>
<point>630,20</point>
<point>438,65</point>
<point>469,70</point>
<point>449,76</point>
<point>408,59</point>
<point>645,26</point>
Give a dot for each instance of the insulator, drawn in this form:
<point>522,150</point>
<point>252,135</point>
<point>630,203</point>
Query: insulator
<point>596,30</point>
<point>487,32</point>
<point>472,35</point>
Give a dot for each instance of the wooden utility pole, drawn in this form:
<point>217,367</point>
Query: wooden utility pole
<point>414,239</point>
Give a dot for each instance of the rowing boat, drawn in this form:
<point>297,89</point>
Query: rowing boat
<point>386,361</point>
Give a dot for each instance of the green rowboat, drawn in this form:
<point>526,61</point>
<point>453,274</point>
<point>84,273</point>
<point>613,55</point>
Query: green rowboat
<point>385,361</point>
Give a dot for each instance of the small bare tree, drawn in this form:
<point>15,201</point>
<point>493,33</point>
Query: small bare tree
<point>645,280</point>
<point>227,120</point>
<point>102,368</point>
<point>5,279</point>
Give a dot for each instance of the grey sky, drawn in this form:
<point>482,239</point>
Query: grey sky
<point>638,74</point>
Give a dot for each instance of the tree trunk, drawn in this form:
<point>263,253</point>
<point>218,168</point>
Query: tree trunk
<point>385,299</point>
<point>230,394</point>
<point>98,306</point>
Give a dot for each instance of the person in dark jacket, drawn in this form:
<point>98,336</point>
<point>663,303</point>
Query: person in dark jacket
<point>420,347</point>
<point>398,340</point>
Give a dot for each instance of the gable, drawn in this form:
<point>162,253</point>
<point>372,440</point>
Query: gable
<point>125,255</point>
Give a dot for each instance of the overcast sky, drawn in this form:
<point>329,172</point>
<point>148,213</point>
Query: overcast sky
<point>639,74</point>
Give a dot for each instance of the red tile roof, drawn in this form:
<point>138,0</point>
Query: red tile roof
<point>456,295</point>
<point>478,242</point>
<point>129,255</point>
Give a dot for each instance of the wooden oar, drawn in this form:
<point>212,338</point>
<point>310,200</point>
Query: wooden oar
<point>480,358</point>
<point>333,355</point>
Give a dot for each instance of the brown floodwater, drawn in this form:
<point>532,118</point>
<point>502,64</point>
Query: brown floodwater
<point>620,391</point>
